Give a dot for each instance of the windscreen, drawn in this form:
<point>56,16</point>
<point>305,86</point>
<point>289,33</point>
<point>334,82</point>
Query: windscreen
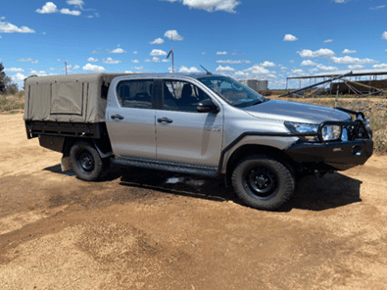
<point>232,91</point>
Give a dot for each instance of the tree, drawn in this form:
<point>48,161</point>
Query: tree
<point>6,84</point>
<point>2,78</point>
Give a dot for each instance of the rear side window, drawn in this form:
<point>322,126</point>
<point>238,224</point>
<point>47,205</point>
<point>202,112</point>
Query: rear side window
<point>135,94</point>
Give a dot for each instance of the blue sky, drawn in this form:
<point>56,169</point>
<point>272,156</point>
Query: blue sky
<point>241,38</point>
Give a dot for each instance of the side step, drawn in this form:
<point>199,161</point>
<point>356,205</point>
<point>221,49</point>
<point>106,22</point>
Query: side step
<point>167,165</point>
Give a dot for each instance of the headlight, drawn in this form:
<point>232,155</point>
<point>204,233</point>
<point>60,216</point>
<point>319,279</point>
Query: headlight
<point>331,132</point>
<point>303,128</point>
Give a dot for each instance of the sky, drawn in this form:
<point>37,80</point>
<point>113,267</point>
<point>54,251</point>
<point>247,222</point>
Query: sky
<point>269,40</point>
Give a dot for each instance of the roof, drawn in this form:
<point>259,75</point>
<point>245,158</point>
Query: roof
<point>93,77</point>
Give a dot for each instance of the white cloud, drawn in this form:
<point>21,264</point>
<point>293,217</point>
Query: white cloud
<point>128,72</point>
<point>40,73</point>
<point>44,33</point>
<point>267,64</point>
<point>135,61</point>
<point>313,70</point>
<point>323,52</point>
<point>157,41</point>
<point>308,63</point>
<point>185,69</point>
<point>240,73</point>
<point>224,69</point>
<point>97,51</point>
<point>384,35</point>
<point>257,69</point>
<point>173,35</point>
<point>203,53</point>
<point>70,12</point>
<point>93,68</point>
<point>328,40</point>
<point>157,52</point>
<point>298,71</point>
<point>2,17</point>
<point>147,60</point>
<point>49,7</point>
<point>289,37</point>
<point>356,67</point>
<point>18,77</point>
<point>326,68</point>
<point>71,67</point>
<point>347,51</point>
<point>165,60</point>
<point>27,60</point>
<point>210,5</point>
<point>155,59</point>
<point>135,52</point>
<point>91,59</point>
<point>292,61</point>
<point>221,52</point>
<point>382,65</point>
<point>340,1</point>
<point>351,60</point>
<point>228,61</point>
<point>378,7</point>
<point>138,68</point>
<point>109,60</point>
<point>117,50</point>
<point>14,69</point>
<point>7,27</point>
<point>78,3</point>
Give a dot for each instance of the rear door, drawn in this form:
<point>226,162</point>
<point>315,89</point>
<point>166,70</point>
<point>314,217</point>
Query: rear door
<point>131,119</point>
<point>183,134</point>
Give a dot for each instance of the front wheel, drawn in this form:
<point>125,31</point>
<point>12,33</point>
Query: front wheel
<point>86,162</point>
<point>262,182</point>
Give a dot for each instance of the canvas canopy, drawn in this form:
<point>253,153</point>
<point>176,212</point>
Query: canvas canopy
<point>67,98</point>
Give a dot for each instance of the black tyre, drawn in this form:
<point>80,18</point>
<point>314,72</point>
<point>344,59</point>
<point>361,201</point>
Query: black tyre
<point>262,182</point>
<point>86,162</point>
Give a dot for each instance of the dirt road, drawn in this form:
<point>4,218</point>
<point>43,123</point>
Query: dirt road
<point>143,229</point>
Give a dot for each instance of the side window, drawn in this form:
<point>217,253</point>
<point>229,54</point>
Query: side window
<point>135,94</point>
<point>181,96</point>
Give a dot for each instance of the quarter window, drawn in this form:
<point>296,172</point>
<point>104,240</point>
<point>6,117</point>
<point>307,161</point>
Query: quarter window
<point>135,94</point>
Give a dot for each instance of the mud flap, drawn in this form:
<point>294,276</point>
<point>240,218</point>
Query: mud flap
<point>65,164</point>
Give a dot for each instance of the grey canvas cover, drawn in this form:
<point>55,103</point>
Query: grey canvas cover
<point>67,98</point>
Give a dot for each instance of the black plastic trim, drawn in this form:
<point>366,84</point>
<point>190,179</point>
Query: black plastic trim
<point>65,129</point>
<point>167,165</point>
<point>337,155</point>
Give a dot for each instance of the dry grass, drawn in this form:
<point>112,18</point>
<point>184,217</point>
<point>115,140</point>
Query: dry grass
<point>12,103</point>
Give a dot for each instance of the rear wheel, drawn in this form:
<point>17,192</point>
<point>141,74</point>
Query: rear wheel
<point>262,182</point>
<point>86,162</point>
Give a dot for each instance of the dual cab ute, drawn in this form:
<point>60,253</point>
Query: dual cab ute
<point>196,124</point>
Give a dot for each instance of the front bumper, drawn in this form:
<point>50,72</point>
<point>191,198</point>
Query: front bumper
<point>331,156</point>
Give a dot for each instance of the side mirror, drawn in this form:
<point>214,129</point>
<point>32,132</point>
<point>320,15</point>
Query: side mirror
<point>207,106</point>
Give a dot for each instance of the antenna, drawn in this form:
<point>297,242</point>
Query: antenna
<point>208,73</point>
<point>66,67</point>
<point>173,57</point>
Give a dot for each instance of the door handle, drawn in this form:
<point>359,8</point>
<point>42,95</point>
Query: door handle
<point>116,116</point>
<point>164,120</point>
